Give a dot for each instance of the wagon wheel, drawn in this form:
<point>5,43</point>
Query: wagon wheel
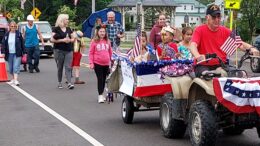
<point>127,109</point>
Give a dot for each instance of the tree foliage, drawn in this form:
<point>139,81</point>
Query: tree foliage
<point>250,11</point>
<point>50,8</point>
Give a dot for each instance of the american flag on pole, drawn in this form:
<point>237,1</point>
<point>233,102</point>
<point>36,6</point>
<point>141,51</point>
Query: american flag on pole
<point>232,43</point>
<point>137,45</point>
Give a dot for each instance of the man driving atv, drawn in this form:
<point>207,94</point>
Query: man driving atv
<point>209,37</point>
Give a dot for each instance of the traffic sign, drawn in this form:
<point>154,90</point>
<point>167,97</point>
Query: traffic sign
<point>36,13</point>
<point>9,15</point>
<point>232,4</point>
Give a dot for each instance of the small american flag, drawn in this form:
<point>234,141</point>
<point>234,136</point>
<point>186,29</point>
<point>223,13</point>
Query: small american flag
<point>232,43</point>
<point>137,46</point>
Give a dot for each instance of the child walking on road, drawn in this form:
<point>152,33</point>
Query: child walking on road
<point>79,47</point>
<point>100,58</point>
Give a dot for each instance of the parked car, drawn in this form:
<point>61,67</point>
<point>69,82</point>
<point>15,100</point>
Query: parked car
<point>46,31</point>
<point>3,26</point>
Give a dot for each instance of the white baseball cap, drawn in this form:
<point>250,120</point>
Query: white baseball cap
<point>30,18</point>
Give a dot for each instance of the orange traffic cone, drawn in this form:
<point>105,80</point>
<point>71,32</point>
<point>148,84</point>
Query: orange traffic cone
<point>3,72</point>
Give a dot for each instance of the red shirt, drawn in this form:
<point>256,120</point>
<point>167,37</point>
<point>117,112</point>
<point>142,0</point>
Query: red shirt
<point>169,55</point>
<point>210,41</point>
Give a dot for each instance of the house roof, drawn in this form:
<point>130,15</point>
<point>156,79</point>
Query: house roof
<point>145,3</point>
<point>196,3</point>
<point>190,14</point>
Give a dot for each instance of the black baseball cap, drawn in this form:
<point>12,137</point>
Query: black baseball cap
<point>213,10</point>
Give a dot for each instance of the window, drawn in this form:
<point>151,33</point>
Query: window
<point>184,7</point>
<point>191,7</point>
<point>197,19</point>
<point>191,18</point>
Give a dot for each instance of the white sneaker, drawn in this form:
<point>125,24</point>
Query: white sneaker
<point>100,99</point>
<point>11,82</point>
<point>16,83</point>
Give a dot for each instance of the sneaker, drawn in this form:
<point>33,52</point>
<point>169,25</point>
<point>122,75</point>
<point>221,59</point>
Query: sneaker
<point>16,83</point>
<point>60,86</point>
<point>37,69</point>
<point>100,99</point>
<point>79,82</point>
<point>11,82</point>
<point>30,70</point>
<point>70,86</point>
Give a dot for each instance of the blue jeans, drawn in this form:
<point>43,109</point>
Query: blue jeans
<point>14,63</point>
<point>33,53</point>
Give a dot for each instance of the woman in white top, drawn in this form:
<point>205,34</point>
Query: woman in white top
<point>13,49</point>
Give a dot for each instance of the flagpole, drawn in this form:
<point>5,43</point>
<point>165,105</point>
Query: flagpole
<point>231,28</point>
<point>139,14</point>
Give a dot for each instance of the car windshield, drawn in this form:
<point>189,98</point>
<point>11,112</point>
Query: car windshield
<point>44,27</point>
<point>3,21</point>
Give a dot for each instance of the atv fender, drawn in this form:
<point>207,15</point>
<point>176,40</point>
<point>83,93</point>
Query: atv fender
<point>201,90</point>
<point>206,85</point>
<point>180,86</point>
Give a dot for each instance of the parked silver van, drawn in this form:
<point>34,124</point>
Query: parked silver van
<point>46,31</point>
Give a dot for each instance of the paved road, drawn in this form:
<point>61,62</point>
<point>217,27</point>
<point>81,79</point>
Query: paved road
<point>24,123</point>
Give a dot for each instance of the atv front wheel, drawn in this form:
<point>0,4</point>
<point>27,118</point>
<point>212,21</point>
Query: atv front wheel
<point>171,127</point>
<point>255,64</point>
<point>202,124</point>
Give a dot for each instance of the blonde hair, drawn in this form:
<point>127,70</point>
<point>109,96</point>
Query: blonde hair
<point>60,20</point>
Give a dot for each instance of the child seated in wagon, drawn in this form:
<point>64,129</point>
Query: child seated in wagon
<point>146,50</point>
<point>167,49</point>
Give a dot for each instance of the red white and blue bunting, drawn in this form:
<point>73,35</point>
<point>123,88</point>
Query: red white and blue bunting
<point>237,94</point>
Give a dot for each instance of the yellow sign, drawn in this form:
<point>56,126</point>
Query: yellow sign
<point>9,15</point>
<point>232,4</point>
<point>36,13</point>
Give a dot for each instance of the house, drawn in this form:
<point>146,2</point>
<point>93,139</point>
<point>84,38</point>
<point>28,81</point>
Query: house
<point>189,12</point>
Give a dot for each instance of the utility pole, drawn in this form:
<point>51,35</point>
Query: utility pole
<point>33,4</point>
<point>93,6</point>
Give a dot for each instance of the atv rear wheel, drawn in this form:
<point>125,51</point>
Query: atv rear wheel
<point>202,124</point>
<point>171,127</point>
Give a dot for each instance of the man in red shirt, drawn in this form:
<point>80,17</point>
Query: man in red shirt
<point>209,37</point>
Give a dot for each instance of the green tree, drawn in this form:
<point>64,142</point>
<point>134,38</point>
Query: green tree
<point>17,14</point>
<point>205,2</point>
<point>250,11</point>
<point>67,10</point>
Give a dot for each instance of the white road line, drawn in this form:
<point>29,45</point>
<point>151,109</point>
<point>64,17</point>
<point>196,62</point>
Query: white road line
<point>75,128</point>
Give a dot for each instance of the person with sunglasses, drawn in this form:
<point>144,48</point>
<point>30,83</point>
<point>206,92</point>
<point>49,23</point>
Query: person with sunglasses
<point>209,37</point>
<point>13,49</point>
